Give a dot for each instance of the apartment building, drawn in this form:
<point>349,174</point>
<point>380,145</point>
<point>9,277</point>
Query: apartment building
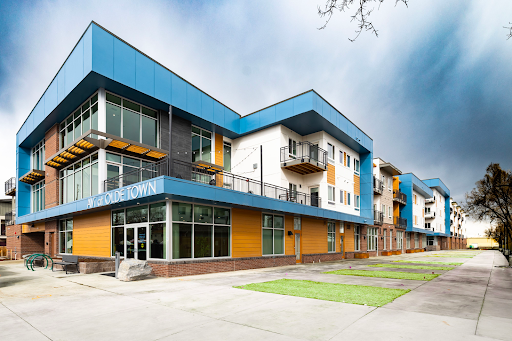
<point>120,154</point>
<point>458,234</point>
<point>437,215</point>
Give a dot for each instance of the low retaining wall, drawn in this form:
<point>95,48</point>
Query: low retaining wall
<point>205,266</point>
<point>90,267</point>
<point>321,257</point>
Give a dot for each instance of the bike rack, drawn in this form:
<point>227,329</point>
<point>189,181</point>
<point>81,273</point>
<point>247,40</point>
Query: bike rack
<point>29,261</point>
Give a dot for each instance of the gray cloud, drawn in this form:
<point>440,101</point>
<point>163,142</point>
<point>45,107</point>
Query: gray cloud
<point>432,91</point>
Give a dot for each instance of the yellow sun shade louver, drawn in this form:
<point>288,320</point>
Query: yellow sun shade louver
<point>59,159</point>
<point>76,150</point>
<point>67,155</point>
<point>137,149</point>
<point>118,144</point>
<point>53,164</point>
<point>84,144</point>
<point>155,154</point>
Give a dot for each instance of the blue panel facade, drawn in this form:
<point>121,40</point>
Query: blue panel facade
<point>410,182</point>
<point>445,192</point>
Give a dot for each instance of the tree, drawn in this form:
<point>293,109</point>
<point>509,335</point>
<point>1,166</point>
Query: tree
<point>363,10</point>
<point>491,199</point>
<point>497,233</point>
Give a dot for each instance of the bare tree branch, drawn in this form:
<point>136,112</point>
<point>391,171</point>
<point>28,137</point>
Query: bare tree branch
<point>361,16</point>
<point>509,28</point>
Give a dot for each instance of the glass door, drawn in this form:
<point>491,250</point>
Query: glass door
<point>136,242</point>
<point>314,196</point>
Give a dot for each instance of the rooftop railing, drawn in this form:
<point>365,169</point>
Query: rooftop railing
<point>210,175</point>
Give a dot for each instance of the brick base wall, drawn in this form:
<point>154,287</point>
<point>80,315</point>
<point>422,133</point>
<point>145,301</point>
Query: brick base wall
<point>198,267</point>
<point>321,257</point>
<point>27,243</point>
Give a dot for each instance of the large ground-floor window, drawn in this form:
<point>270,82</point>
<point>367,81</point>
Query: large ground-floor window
<point>399,240</point>
<point>331,236</point>
<point>200,231</point>
<point>357,238</point>
<point>66,236</point>
<point>372,238</point>
<point>273,234</point>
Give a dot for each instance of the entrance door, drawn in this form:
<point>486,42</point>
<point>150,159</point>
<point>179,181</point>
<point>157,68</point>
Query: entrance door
<point>314,196</point>
<point>136,242</point>
<point>297,248</point>
<point>341,245</point>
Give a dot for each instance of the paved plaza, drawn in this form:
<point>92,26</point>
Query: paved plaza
<point>471,302</point>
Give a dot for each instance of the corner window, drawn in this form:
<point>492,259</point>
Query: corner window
<point>331,236</point>
<point>131,121</point>
<point>331,196</point>
<point>84,117</point>
<point>38,198</point>
<point>38,156</point>
<point>201,145</point>
<point>79,180</point>
<point>66,236</point>
<point>273,234</point>
<point>330,151</point>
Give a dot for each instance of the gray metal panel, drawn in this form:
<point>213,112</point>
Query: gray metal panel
<point>164,130</point>
<point>181,139</point>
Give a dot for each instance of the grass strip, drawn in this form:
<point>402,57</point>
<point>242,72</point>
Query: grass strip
<point>345,293</point>
<point>421,267</point>
<point>451,256</point>
<point>426,262</point>
<point>384,274</point>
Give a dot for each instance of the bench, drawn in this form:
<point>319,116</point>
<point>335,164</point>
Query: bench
<point>66,261</point>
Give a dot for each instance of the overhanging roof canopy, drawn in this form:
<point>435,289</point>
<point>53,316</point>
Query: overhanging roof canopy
<point>33,177</point>
<point>388,167</point>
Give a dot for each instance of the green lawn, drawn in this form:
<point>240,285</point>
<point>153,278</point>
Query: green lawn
<point>346,293</point>
<point>451,256</point>
<point>426,262</point>
<point>384,274</point>
<point>421,267</point>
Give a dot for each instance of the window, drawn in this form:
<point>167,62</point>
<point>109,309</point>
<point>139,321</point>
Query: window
<point>227,156</point>
<point>383,181</point>
<point>357,237</point>
<point>330,193</point>
<point>119,165</point>
<point>342,227</point>
<point>372,239</point>
<point>383,208</point>
<point>38,202</point>
<point>348,161</point>
<point>357,201</point>
<point>292,188</point>
<point>390,213</point>
<point>356,166</point>
<point>399,240</point>
<point>427,210</point>
<point>79,180</point>
<point>341,157</point>
<point>292,147</point>
<point>201,145</point>
<point>348,198</point>
<point>38,156</point>
<point>331,236</point>
<point>200,231</point>
<point>297,223</point>
<point>408,236</point>
<point>85,117</point>
<point>384,235</point>
<point>131,121</point>
<point>330,151</point>
<point>390,183</point>
<point>390,239</point>
<point>66,236</point>
<point>341,196</point>
<point>416,241</point>
<point>430,240</point>
<point>273,234</point>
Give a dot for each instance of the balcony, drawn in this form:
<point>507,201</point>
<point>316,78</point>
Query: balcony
<point>430,200</point>
<point>10,187</point>
<point>307,158</point>
<point>399,197</point>
<point>10,218</point>
<point>430,215</point>
<point>378,186</point>
<point>400,222</point>
<point>378,217</point>
<point>211,175</point>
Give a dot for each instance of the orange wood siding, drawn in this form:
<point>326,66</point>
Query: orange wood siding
<point>344,159</point>
<point>348,242</point>
<point>396,209</point>
<point>331,174</point>
<point>314,234</point>
<point>289,241</point>
<point>246,233</point>
<point>338,237</point>
<point>357,185</point>
<point>27,228</point>
<point>219,150</point>
<point>345,194</point>
<point>396,183</point>
<point>91,234</point>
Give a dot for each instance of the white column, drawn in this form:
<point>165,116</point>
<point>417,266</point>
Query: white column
<point>102,126</point>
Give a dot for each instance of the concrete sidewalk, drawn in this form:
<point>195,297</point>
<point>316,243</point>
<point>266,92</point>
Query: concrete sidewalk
<point>473,301</point>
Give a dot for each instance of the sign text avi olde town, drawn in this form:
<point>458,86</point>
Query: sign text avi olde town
<point>119,195</point>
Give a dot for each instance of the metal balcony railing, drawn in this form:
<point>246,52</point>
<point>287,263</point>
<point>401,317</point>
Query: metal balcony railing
<point>211,176</point>
<point>378,217</point>
<point>378,186</point>
<point>400,222</point>
<point>10,218</point>
<point>399,196</point>
<point>305,151</point>
<point>430,214</point>
<point>10,186</point>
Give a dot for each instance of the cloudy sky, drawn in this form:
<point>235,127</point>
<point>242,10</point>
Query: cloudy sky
<point>433,90</point>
